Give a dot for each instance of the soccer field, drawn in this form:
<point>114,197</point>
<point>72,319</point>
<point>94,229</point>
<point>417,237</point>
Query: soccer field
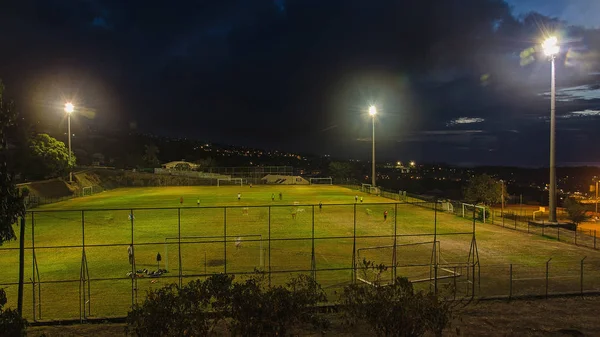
<point>224,234</point>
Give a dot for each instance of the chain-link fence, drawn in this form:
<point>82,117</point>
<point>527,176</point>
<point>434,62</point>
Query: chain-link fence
<point>97,263</point>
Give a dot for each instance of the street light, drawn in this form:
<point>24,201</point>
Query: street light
<point>551,49</point>
<point>373,112</point>
<point>69,110</point>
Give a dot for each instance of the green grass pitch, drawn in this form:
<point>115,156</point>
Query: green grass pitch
<point>158,215</point>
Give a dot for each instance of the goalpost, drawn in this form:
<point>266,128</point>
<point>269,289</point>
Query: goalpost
<point>365,188</point>
<point>230,181</point>
<point>247,241</point>
<point>374,190</point>
<point>321,181</point>
<point>466,207</point>
<point>429,253</point>
<point>87,190</point>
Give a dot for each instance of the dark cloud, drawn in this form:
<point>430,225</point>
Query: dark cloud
<point>301,73</point>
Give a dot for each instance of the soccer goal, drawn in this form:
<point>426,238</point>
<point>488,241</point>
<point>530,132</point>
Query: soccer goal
<point>251,244</point>
<point>365,188</point>
<point>321,181</point>
<point>467,211</point>
<point>87,190</point>
<point>415,261</point>
<point>374,190</point>
<point>230,181</point>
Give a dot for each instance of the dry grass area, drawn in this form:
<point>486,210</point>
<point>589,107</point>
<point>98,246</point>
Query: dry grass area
<point>552,317</point>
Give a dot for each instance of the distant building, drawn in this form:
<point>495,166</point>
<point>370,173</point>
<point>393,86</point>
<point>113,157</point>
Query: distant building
<point>180,165</point>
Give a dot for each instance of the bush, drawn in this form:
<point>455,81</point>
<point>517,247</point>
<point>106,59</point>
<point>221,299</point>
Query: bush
<point>249,308</point>
<point>257,310</point>
<point>192,310</point>
<point>395,310</point>
<point>11,324</point>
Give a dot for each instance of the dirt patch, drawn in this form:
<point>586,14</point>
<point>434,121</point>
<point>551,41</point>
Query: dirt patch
<point>215,263</point>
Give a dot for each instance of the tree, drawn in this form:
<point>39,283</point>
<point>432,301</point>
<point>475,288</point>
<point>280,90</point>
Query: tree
<point>483,189</point>
<point>48,157</point>
<point>340,170</point>
<point>575,211</point>
<point>11,201</point>
<point>151,156</point>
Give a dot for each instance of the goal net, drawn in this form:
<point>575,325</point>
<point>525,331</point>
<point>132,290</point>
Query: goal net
<point>210,248</point>
<point>415,261</point>
<point>88,190</point>
<point>230,181</point>
<point>365,188</point>
<point>374,190</point>
<point>480,212</point>
<point>321,181</point>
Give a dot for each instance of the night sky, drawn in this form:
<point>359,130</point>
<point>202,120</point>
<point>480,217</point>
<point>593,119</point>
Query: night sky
<point>453,81</point>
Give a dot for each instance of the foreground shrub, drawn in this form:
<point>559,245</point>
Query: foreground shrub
<point>257,310</point>
<point>11,324</point>
<point>249,308</point>
<point>395,310</point>
<point>192,310</point>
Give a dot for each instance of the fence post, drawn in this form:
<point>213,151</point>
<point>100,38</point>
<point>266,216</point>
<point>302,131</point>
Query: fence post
<point>313,261</point>
<point>133,289</point>
<point>581,280</point>
<point>269,246</point>
<point>354,248</point>
<point>179,244</point>
<point>575,236</point>
<point>225,240</point>
<point>527,226</point>
<point>21,266</point>
<point>547,270</point>
<point>515,215</point>
<point>395,257</point>
<point>558,232</point>
<point>510,288</point>
<point>594,239</point>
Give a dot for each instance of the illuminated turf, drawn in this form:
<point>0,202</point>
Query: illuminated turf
<point>109,232</point>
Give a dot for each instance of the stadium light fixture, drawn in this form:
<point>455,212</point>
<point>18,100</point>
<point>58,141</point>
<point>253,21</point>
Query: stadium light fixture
<point>69,108</point>
<point>551,49</point>
<point>550,46</point>
<point>372,110</point>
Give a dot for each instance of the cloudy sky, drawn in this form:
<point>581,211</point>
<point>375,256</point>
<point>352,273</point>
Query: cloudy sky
<point>461,82</point>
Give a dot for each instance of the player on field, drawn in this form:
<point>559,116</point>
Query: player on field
<point>320,206</point>
<point>130,253</point>
<point>280,196</point>
<point>238,242</point>
<point>272,196</point>
<point>355,198</point>
<point>181,200</point>
<point>385,215</point>
<point>198,202</point>
<point>361,199</point>
<point>239,196</point>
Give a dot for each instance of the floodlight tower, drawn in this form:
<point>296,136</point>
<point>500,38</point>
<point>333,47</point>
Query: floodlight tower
<point>69,110</point>
<point>373,112</point>
<point>551,49</point>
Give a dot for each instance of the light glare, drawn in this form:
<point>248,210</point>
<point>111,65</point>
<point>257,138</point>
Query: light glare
<point>550,46</point>
<point>372,110</point>
<point>69,108</point>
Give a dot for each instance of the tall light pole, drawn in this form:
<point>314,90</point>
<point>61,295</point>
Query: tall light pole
<point>551,49</point>
<point>373,112</point>
<point>69,109</point>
